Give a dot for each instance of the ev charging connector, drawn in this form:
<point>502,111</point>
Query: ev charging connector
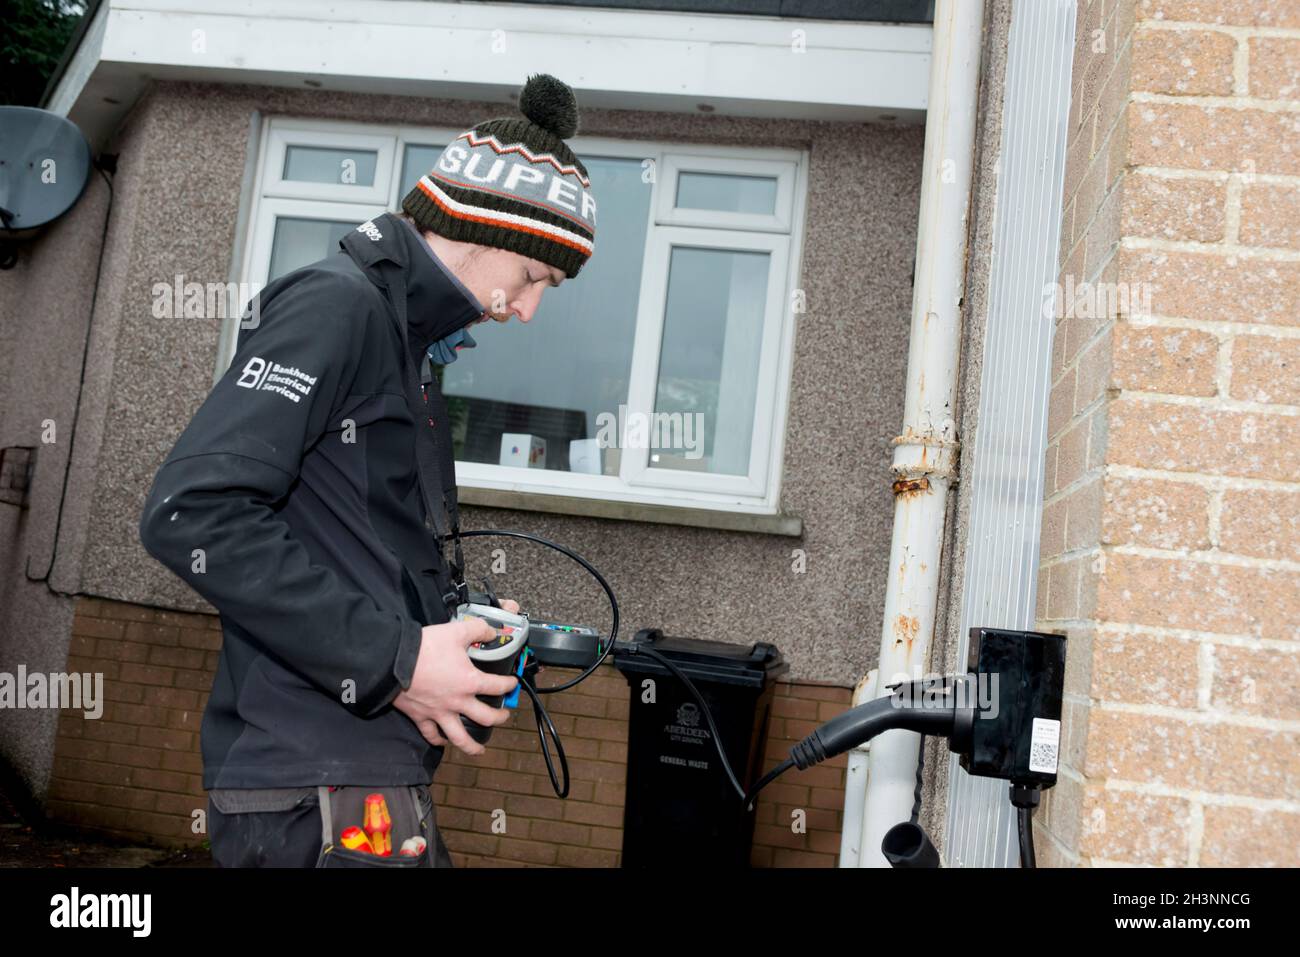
<point>1002,718</point>
<point>1017,678</point>
<point>1025,675</point>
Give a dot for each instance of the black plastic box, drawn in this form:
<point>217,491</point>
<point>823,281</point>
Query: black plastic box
<point>681,807</point>
<point>1020,741</point>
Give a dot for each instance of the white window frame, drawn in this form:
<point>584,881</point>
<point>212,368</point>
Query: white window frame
<point>635,467</point>
<point>284,133</point>
<point>668,213</point>
<point>638,482</point>
<point>273,207</point>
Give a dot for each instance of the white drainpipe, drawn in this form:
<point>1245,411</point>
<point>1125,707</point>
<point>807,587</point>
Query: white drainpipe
<point>855,787</point>
<point>925,455</point>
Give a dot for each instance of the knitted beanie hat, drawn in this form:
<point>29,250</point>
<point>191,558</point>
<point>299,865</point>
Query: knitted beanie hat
<point>513,183</point>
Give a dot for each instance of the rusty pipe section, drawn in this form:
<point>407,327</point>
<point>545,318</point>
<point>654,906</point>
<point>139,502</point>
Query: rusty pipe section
<point>925,452</point>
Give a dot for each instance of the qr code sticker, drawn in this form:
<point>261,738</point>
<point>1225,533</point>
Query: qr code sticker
<point>1044,743</point>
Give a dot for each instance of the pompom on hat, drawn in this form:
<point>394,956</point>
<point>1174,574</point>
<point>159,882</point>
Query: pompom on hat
<point>512,183</point>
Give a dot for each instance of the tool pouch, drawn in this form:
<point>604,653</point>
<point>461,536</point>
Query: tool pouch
<point>411,811</point>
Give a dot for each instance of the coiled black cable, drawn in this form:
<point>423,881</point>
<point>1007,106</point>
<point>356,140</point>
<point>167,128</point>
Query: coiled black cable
<point>539,710</point>
<point>540,714</point>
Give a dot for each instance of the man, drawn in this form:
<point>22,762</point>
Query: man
<point>311,498</point>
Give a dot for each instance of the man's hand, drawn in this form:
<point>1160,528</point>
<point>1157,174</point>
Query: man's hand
<point>445,684</point>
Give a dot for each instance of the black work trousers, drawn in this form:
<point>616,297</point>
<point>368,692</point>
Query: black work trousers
<point>284,827</point>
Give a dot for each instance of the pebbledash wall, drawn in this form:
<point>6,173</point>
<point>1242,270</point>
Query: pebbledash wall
<point>108,607</point>
<point>1171,525</point>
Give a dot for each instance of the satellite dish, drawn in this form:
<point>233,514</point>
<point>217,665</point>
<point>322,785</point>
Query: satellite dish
<point>44,165</point>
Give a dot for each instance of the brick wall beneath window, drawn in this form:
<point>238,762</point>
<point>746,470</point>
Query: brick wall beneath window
<point>1171,523</point>
<point>135,772</point>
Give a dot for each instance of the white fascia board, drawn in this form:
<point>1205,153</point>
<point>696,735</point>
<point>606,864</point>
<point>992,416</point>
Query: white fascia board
<point>81,66</point>
<point>740,66</point>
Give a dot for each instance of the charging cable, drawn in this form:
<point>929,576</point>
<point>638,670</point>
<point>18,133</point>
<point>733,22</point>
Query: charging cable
<point>912,707</point>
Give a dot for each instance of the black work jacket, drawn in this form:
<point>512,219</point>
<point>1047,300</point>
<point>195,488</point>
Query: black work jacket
<point>292,503</point>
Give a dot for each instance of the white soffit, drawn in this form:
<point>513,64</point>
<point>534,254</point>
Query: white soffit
<point>740,66</point>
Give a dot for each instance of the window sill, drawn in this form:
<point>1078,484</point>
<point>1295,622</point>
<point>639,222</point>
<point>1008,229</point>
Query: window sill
<point>789,525</point>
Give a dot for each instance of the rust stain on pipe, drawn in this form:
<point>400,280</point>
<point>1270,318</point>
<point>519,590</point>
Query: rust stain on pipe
<point>911,487</point>
<point>906,628</point>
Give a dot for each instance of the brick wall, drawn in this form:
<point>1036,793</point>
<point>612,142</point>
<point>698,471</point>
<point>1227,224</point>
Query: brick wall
<point>509,785</point>
<point>1171,524</point>
<point>135,771</point>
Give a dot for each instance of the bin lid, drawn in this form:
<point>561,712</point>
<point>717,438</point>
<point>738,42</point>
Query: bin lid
<point>722,662</point>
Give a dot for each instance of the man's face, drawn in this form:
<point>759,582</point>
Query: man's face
<point>507,283</point>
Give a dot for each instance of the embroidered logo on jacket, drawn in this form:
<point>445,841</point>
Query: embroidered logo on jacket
<point>290,382</point>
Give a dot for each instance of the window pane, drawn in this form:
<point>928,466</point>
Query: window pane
<point>708,360</point>
<point>555,375</point>
<point>299,242</point>
<point>730,194</point>
<point>317,164</point>
<point>416,161</point>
